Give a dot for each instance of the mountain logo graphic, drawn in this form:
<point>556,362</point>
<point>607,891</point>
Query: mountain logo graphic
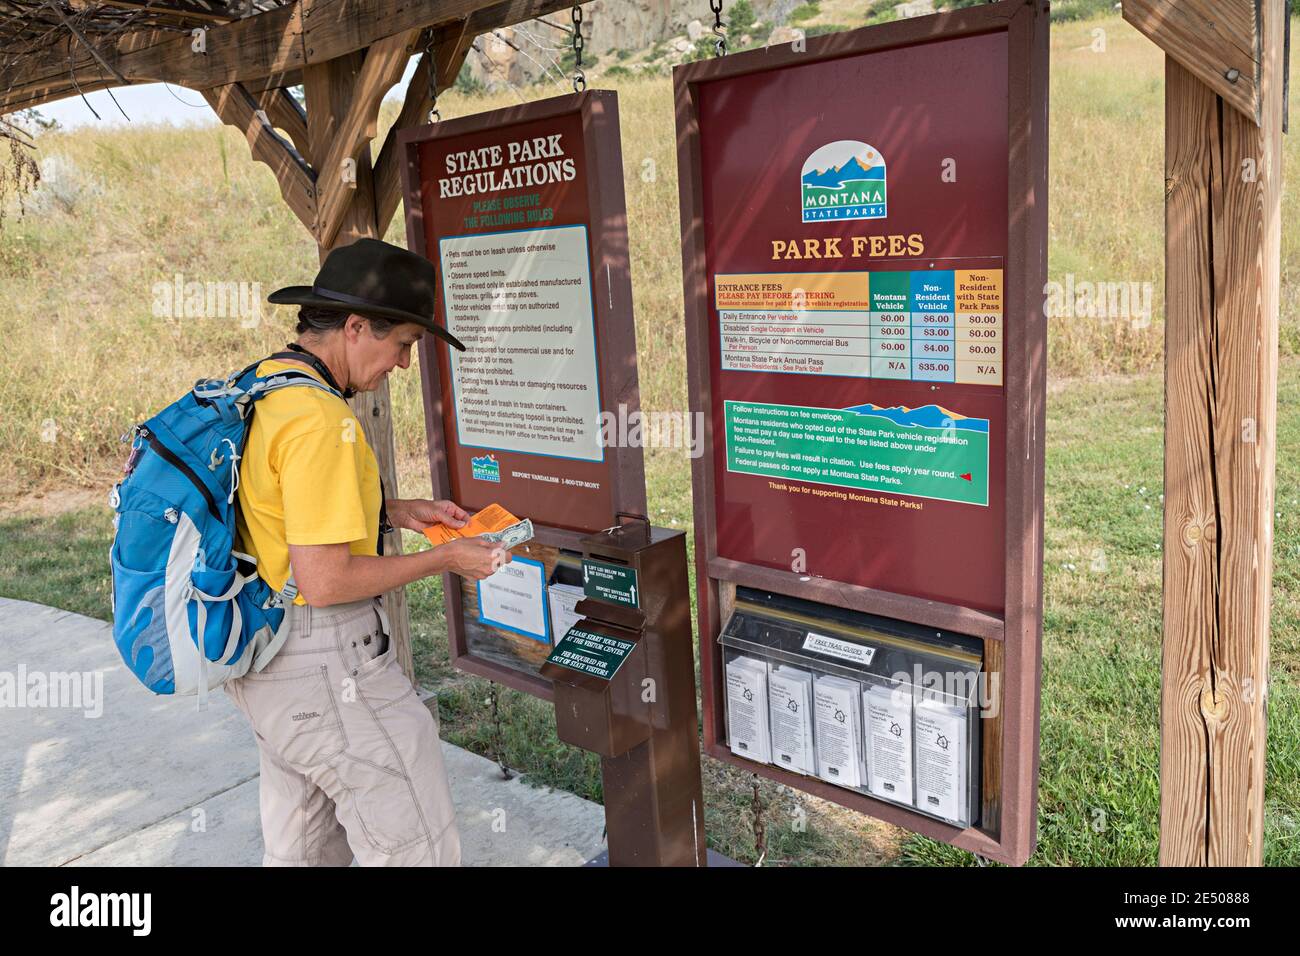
<point>843,180</point>
<point>486,468</point>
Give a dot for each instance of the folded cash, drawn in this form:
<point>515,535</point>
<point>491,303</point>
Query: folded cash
<point>512,536</point>
<point>489,523</point>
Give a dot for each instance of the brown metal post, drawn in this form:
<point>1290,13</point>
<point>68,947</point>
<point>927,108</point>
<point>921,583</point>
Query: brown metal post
<point>642,720</point>
<point>654,805</point>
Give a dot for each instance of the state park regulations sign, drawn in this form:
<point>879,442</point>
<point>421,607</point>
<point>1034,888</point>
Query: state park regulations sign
<point>521,210</point>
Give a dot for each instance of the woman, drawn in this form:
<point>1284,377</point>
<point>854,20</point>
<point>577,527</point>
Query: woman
<point>351,763</point>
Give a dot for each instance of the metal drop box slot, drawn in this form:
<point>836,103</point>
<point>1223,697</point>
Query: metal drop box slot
<point>607,717</point>
<point>889,709</point>
<point>640,716</point>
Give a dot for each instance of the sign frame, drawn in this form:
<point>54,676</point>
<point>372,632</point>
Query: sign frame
<point>1012,641</point>
<point>611,291</point>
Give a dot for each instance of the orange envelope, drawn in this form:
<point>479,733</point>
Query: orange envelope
<point>491,518</point>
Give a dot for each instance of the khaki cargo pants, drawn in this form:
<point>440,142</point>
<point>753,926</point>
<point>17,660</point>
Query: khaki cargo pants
<point>351,760</point>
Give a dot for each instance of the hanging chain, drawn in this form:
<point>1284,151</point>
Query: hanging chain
<point>497,742</point>
<point>579,78</point>
<point>720,44</point>
<point>760,825</point>
<point>429,58</point>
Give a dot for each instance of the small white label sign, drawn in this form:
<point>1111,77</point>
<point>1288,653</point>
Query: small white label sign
<point>513,598</point>
<point>844,650</point>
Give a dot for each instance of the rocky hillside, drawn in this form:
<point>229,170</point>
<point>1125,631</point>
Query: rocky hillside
<point>636,36</point>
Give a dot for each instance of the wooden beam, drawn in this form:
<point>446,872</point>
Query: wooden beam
<point>388,174</point>
<point>237,107</point>
<point>1218,41</point>
<point>451,45</point>
<point>276,44</point>
<point>85,43</point>
<point>181,11</point>
<point>329,93</point>
<point>335,177</point>
<point>1222,274</point>
<point>278,82</point>
<point>286,113</point>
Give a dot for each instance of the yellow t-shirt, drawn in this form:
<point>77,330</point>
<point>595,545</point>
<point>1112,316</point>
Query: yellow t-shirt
<point>307,477</point>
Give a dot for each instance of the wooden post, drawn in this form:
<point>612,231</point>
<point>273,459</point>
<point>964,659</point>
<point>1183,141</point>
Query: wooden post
<point>329,87</point>
<point>1222,271</point>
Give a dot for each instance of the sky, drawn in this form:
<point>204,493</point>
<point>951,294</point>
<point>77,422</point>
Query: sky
<point>151,102</point>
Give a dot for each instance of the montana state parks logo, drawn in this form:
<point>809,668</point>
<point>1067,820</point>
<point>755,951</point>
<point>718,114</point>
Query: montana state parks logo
<point>843,180</point>
<point>486,468</point>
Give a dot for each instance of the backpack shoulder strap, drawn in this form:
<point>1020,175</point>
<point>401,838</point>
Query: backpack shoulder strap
<point>278,380</point>
<point>295,351</point>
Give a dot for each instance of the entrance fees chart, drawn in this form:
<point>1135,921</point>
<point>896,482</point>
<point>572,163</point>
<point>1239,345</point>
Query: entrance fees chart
<point>923,325</point>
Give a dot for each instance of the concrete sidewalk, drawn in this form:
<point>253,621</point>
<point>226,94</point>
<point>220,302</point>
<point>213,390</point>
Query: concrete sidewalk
<point>127,778</point>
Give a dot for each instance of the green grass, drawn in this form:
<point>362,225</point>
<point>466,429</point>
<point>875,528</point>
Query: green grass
<point>60,561</point>
<point>1099,795</point>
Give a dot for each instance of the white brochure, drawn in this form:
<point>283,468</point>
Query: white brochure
<point>838,730</point>
<point>888,712</point>
<point>941,759</point>
<point>790,698</point>
<point>747,713</point>
<point>563,599</point>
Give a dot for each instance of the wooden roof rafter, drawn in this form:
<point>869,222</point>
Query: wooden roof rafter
<point>1219,41</point>
<point>320,188</point>
<point>238,108</point>
<point>270,45</point>
<point>28,19</point>
<point>383,66</point>
<point>451,45</point>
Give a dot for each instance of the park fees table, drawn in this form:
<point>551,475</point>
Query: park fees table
<point>932,325</point>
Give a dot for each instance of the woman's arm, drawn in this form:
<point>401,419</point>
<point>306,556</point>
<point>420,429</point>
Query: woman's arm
<point>328,574</point>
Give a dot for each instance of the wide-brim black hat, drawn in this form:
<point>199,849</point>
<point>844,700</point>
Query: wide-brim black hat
<point>373,278</point>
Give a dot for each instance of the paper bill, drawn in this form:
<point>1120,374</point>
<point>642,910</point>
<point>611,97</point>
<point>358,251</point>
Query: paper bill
<point>512,536</point>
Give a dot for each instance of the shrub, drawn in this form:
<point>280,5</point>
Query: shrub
<point>805,11</point>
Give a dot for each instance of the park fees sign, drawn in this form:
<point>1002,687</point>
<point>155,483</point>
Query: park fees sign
<point>864,254</point>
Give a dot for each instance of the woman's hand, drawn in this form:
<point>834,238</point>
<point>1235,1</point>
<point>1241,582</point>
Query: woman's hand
<point>473,558</point>
<point>416,514</point>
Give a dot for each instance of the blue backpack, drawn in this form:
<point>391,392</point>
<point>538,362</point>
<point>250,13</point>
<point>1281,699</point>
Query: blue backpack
<point>189,611</point>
